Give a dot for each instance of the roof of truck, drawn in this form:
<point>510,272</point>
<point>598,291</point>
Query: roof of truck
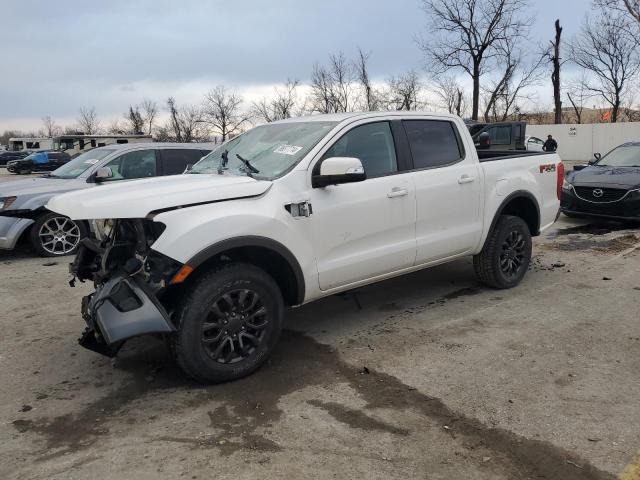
<point>339,117</point>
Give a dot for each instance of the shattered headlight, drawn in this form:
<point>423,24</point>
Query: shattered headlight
<point>5,202</point>
<point>102,228</point>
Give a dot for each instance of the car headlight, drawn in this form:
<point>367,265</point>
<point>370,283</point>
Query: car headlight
<point>566,185</point>
<point>5,202</point>
<point>102,228</point>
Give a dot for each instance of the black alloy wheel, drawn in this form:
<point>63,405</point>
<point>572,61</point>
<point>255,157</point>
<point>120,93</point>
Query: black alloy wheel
<point>512,257</point>
<point>235,326</point>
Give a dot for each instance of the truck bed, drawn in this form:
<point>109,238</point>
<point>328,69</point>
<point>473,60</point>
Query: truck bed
<point>492,155</point>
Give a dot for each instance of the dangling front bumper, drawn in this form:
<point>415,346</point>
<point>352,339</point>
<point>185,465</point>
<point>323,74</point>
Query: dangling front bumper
<point>120,309</point>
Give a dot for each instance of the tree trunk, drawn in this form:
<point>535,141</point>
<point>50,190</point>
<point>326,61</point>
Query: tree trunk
<point>555,76</point>
<point>476,90</point>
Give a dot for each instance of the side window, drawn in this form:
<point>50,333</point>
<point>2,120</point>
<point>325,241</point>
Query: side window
<point>175,161</point>
<point>137,164</point>
<point>500,135</point>
<point>372,144</point>
<point>433,143</point>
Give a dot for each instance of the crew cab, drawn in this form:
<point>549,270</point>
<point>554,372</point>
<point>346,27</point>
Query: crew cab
<point>293,211</point>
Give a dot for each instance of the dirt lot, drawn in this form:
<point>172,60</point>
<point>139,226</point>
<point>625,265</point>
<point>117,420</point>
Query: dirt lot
<point>428,376</point>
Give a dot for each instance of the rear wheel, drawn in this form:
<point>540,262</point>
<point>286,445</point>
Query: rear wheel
<point>54,235</point>
<point>505,258</point>
<point>228,323</point>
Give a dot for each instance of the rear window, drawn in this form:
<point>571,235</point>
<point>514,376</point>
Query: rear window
<point>433,143</point>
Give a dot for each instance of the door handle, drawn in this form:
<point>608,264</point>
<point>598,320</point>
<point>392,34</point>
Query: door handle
<point>466,179</point>
<point>398,192</point>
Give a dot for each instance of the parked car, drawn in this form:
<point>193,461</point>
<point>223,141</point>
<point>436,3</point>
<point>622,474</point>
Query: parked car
<point>7,156</point>
<point>38,162</point>
<point>534,144</point>
<point>22,202</point>
<point>608,187</point>
<point>293,211</point>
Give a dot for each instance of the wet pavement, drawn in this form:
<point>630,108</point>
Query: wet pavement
<point>430,375</point>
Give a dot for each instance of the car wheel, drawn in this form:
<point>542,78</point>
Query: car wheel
<point>54,235</point>
<point>505,258</point>
<point>228,323</point>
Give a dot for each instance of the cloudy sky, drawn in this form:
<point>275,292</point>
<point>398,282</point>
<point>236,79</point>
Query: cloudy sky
<point>60,55</point>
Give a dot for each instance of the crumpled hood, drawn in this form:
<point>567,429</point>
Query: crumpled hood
<point>39,185</point>
<point>138,198</point>
<point>614,177</point>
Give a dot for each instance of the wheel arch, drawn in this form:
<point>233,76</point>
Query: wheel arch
<point>265,253</point>
<point>523,204</point>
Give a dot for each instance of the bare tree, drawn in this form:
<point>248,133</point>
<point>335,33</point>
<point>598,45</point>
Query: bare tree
<point>632,7</point>
<point>222,110</point>
<point>505,93</point>
<point>49,127</point>
<point>467,33</point>
<point>185,123</point>
<point>610,55</point>
<point>282,105</point>
<point>361,67</point>
<point>135,120</point>
<point>332,86</point>
<point>450,94</point>
<point>88,120</point>
<point>403,91</point>
<point>578,94</point>
<point>150,113</point>
<point>554,58</point>
<point>115,128</point>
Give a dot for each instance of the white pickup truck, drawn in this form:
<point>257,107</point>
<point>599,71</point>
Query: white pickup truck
<point>293,211</point>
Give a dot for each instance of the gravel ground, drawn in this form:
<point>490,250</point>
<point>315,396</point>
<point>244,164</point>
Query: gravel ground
<point>428,376</point>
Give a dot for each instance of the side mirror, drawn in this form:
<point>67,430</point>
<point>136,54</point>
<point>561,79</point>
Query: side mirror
<point>102,174</point>
<point>337,170</point>
<point>485,140</point>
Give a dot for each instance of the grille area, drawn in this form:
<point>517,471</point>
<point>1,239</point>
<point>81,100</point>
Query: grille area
<point>608,194</point>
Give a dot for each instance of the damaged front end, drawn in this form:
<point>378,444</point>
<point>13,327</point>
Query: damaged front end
<point>130,279</point>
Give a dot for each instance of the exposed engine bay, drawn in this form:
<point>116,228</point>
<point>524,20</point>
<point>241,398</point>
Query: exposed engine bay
<point>129,278</point>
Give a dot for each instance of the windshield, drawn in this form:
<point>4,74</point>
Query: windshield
<point>80,164</point>
<point>265,152</point>
<point>625,156</point>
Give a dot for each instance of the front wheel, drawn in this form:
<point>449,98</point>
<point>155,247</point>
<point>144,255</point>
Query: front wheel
<point>54,235</point>
<point>505,258</point>
<point>228,323</point>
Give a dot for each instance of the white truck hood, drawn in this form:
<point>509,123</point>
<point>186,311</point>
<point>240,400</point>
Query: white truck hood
<point>137,198</point>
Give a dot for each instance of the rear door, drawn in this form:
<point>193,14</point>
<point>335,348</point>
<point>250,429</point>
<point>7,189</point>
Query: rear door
<point>448,190</point>
<point>174,161</point>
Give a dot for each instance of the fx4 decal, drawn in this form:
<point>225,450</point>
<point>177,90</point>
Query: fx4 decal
<point>549,167</point>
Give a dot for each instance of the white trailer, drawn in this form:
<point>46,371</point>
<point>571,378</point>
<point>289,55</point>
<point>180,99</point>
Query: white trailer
<point>76,144</point>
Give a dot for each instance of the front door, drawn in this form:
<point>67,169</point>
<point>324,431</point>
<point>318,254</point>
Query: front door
<point>366,229</point>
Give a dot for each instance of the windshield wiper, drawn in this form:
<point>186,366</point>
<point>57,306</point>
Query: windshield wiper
<point>247,164</point>
<point>223,164</point>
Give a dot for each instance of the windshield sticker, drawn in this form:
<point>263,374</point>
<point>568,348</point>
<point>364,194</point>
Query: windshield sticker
<point>90,162</point>
<point>287,149</point>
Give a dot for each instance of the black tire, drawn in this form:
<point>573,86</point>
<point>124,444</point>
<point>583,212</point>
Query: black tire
<point>48,242</point>
<point>504,260</point>
<point>209,343</point>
